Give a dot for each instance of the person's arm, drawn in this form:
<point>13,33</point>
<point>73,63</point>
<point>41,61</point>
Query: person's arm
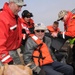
<point>63,36</point>
<point>69,33</point>
<point>4,55</point>
<point>30,46</point>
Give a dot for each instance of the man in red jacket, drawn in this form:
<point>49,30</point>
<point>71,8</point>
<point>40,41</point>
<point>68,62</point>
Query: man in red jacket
<point>69,28</point>
<point>10,31</point>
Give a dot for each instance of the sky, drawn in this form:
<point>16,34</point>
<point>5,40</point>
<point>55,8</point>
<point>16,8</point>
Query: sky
<point>46,11</point>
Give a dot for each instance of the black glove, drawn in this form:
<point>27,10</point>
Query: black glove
<point>42,72</point>
<point>38,71</point>
<point>35,73</point>
<point>10,63</point>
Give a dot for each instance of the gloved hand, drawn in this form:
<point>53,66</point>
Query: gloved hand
<point>36,71</point>
<point>39,71</point>
<point>11,62</point>
<point>54,34</point>
<point>5,58</point>
<point>42,72</point>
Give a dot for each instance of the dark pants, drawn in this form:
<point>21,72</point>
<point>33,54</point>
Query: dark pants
<point>73,49</point>
<point>57,68</point>
<point>73,63</point>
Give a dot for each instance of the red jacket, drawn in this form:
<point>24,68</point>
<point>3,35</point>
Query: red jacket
<point>31,23</point>
<point>25,28</point>
<point>10,33</point>
<point>69,25</point>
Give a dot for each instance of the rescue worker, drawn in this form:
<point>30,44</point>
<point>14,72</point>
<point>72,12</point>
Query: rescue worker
<point>25,29</point>
<point>27,20</point>
<point>69,28</point>
<point>10,32</point>
<point>55,29</point>
<point>37,51</point>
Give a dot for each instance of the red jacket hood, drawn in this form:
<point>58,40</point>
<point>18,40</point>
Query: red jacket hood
<point>7,9</point>
<point>68,19</point>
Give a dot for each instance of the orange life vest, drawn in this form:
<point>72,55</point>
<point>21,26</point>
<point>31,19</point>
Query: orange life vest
<point>41,54</point>
<point>51,29</point>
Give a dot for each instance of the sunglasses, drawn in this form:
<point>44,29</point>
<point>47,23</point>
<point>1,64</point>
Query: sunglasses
<point>62,18</point>
<point>40,31</point>
<point>28,17</point>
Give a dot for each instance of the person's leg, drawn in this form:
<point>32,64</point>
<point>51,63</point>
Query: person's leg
<point>50,71</point>
<point>63,68</point>
<point>73,56</point>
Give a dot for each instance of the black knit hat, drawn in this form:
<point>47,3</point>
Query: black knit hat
<point>26,13</point>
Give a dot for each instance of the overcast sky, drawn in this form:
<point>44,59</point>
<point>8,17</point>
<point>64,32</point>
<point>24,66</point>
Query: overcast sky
<point>46,11</point>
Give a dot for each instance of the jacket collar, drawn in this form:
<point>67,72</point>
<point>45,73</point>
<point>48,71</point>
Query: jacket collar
<point>7,9</point>
<point>23,21</point>
<point>68,18</point>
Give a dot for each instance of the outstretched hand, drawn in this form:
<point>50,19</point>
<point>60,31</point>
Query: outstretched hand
<point>54,34</point>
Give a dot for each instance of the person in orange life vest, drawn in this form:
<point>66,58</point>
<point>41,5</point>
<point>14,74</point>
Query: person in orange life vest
<point>54,27</point>
<point>69,28</point>
<point>28,21</point>
<point>37,51</point>
<point>10,31</point>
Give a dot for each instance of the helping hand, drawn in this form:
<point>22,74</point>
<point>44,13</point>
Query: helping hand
<point>54,34</point>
